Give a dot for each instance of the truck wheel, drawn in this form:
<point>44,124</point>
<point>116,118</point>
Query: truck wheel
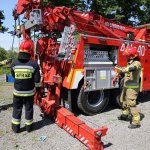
<point>115,97</point>
<point>92,102</point>
<point>118,101</point>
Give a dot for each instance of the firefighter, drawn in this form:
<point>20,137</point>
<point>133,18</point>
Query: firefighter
<point>131,87</point>
<point>27,80</point>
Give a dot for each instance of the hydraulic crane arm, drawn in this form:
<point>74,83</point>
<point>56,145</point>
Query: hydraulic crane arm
<point>48,20</point>
<point>26,5</point>
<point>52,19</point>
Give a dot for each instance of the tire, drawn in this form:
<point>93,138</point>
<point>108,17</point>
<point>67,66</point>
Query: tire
<point>92,102</point>
<point>115,97</point>
<point>118,100</point>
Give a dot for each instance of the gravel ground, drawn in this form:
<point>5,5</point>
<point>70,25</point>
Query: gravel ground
<point>48,136</point>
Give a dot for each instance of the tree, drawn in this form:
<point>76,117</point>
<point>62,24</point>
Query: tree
<point>68,3</point>
<point>145,15</point>
<point>12,54</point>
<point>128,11</point>
<point>2,28</point>
<point>3,54</point>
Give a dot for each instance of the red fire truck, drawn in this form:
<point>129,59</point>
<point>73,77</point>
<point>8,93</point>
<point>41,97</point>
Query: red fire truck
<point>77,52</point>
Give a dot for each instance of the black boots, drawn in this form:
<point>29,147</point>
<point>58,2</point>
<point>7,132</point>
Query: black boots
<point>15,128</point>
<point>29,128</point>
<point>124,118</point>
<point>133,126</point>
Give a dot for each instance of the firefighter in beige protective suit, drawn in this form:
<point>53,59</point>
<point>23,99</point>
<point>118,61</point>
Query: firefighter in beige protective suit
<point>131,87</point>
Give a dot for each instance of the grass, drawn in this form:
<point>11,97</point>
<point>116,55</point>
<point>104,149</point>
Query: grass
<point>5,69</point>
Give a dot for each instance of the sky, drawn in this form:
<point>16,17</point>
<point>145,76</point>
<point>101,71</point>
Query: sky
<point>6,39</point>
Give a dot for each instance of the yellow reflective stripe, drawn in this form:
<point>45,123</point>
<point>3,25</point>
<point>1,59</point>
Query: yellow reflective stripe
<point>28,123</point>
<point>136,119</point>
<point>24,50</point>
<point>138,76</point>
<point>23,70</point>
<point>23,75</point>
<point>24,95</point>
<point>15,122</point>
<point>126,69</point>
<point>131,87</point>
<point>37,84</point>
<point>125,112</point>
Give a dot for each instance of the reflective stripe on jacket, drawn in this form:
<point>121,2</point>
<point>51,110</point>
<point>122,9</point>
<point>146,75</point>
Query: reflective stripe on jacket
<point>23,93</point>
<point>27,77</point>
<point>132,74</point>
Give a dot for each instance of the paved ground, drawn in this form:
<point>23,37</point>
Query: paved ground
<point>48,136</point>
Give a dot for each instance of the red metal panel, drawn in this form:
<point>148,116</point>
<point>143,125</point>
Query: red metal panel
<point>101,40</point>
<point>146,69</point>
<point>77,128</point>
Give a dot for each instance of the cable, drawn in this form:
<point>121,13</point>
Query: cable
<point>12,48</point>
<point>19,29</point>
<point>89,121</point>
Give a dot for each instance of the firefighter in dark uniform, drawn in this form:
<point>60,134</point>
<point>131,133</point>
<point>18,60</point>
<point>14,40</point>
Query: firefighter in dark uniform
<point>27,80</point>
<point>131,87</point>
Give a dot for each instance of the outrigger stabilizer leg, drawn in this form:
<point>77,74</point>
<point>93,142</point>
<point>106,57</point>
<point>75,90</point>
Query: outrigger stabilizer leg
<point>74,126</point>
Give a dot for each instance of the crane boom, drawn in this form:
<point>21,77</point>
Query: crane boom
<point>80,64</point>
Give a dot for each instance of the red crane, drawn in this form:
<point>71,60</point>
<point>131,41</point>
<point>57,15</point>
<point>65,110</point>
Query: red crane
<point>67,66</point>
